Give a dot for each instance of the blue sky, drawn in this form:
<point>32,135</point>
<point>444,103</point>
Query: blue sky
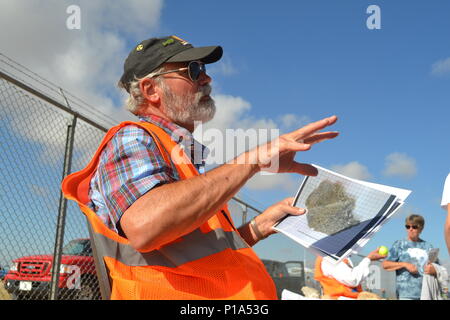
<point>284,64</point>
<point>317,58</point>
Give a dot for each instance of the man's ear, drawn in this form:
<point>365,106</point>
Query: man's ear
<point>147,87</point>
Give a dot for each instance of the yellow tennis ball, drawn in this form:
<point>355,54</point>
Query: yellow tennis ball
<point>383,251</point>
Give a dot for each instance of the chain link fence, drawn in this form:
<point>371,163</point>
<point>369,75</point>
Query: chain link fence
<point>45,248</point>
<point>34,141</point>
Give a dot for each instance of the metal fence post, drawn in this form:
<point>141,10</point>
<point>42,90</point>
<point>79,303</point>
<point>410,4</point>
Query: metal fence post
<point>59,238</point>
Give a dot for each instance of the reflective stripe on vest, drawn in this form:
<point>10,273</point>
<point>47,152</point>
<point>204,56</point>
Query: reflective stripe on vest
<point>195,245</point>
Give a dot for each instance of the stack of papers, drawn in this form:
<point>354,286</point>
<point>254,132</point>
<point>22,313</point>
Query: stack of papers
<point>342,213</point>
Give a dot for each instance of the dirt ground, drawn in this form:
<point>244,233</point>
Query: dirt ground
<point>4,295</point>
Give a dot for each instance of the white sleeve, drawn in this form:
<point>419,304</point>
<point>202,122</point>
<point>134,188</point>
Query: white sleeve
<point>446,193</point>
<point>351,277</point>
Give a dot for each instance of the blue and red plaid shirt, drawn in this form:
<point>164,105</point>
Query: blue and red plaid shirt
<point>131,165</point>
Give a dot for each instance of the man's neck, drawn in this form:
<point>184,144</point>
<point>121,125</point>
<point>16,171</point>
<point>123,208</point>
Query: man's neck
<point>160,115</point>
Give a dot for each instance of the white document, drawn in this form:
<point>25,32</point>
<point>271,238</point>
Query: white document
<point>342,213</point>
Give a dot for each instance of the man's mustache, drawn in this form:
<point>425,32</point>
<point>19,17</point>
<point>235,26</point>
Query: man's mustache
<point>204,90</point>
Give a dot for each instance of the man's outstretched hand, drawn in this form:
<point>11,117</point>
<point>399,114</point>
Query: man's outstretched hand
<point>278,155</point>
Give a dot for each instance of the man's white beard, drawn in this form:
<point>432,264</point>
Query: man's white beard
<point>188,109</point>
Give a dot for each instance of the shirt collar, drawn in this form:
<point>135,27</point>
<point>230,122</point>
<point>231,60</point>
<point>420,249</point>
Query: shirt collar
<point>181,136</point>
<point>177,133</point>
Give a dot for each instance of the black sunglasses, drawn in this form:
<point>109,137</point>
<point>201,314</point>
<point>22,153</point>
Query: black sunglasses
<point>194,69</point>
<point>414,227</point>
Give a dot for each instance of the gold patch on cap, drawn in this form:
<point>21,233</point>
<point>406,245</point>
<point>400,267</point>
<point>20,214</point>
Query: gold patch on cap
<point>140,47</point>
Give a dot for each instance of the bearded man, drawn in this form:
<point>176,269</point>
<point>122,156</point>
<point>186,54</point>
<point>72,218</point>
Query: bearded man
<point>160,222</point>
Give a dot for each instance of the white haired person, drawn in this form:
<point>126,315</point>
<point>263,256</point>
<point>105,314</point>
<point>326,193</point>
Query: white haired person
<point>160,220</point>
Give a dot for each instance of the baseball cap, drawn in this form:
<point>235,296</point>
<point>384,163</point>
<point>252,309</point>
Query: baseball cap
<point>152,53</point>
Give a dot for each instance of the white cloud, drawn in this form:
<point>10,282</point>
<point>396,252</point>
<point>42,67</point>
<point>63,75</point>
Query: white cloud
<point>400,165</point>
<point>224,67</point>
<point>441,67</point>
<point>282,182</point>
<point>229,111</point>
<point>233,131</point>
<point>353,170</point>
<point>233,114</point>
<point>37,122</point>
<point>86,62</point>
<point>292,121</point>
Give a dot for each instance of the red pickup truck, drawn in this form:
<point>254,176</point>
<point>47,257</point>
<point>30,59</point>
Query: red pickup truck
<point>29,277</point>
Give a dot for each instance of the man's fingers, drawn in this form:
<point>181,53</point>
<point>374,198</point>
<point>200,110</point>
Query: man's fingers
<point>304,169</point>
<point>306,144</point>
<point>293,210</point>
<point>319,137</point>
<point>288,201</point>
<point>296,146</point>
<point>313,127</point>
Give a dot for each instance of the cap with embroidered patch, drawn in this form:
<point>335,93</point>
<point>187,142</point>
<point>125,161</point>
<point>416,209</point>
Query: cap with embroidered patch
<point>152,53</point>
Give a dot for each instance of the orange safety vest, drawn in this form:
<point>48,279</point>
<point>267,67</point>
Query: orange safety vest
<point>331,286</point>
<point>212,262</point>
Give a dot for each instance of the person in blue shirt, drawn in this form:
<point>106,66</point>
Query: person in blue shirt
<point>409,259</point>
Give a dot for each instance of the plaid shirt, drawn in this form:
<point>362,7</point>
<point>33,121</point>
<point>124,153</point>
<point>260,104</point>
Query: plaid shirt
<point>131,165</point>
